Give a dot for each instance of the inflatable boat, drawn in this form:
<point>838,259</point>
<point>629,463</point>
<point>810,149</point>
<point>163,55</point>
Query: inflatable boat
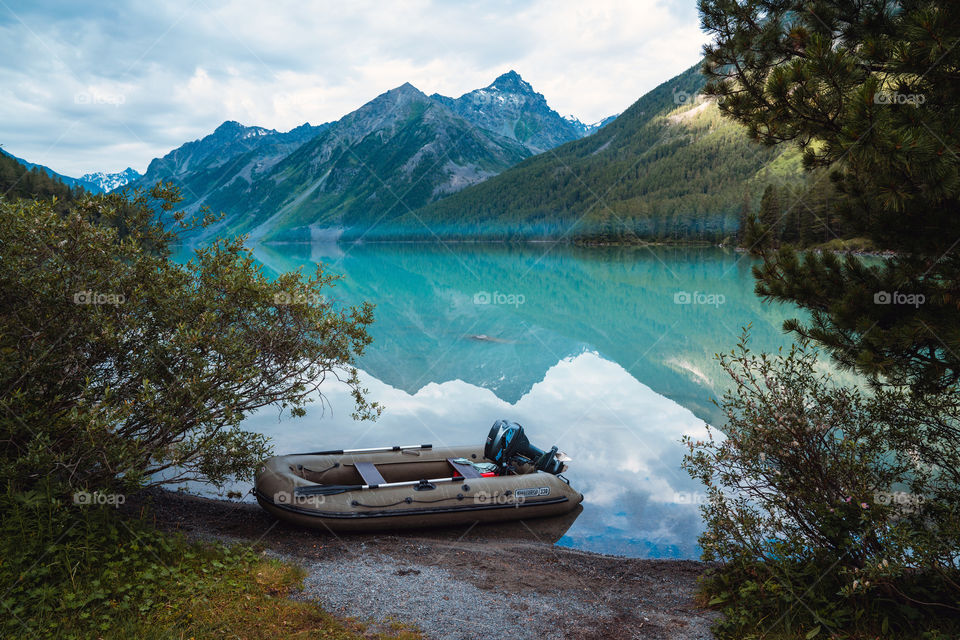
<point>414,486</point>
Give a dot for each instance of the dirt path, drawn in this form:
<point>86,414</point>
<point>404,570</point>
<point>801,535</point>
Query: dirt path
<point>473,582</point>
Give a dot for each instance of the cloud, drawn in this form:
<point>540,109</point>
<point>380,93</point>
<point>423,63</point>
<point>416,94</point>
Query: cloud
<point>96,86</point>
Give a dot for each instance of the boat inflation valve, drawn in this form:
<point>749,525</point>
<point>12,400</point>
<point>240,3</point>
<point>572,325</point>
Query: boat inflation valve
<point>506,443</point>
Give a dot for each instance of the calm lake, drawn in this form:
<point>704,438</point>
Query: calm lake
<point>606,352</point>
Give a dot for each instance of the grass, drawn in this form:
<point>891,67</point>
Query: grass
<point>252,601</point>
<point>69,571</point>
<point>848,245</point>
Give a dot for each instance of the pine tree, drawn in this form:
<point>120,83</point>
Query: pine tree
<point>770,216</point>
<point>868,90</point>
<point>754,235</point>
<point>745,214</point>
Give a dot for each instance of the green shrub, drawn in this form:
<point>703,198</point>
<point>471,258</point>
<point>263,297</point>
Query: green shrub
<point>829,508</point>
<point>120,367</point>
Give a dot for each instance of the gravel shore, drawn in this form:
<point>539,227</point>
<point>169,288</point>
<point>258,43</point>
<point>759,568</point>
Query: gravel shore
<point>505,581</point>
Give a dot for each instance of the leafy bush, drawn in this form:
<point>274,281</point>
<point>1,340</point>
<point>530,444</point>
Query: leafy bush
<point>829,508</point>
<point>120,368</point>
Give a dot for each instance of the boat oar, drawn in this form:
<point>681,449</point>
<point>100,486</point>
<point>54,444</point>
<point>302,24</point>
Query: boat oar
<point>342,452</point>
<point>333,489</point>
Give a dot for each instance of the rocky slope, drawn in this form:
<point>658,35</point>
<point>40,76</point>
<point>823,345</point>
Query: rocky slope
<point>510,107</point>
<point>396,153</point>
<point>232,154</point>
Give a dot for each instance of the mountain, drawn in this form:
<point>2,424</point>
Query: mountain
<point>398,152</point>
<point>510,107</point>
<point>232,154</point>
<point>99,182</point>
<point>265,183</point>
<point>669,166</point>
<point>587,129</point>
<point>107,182</point>
<point>409,166</point>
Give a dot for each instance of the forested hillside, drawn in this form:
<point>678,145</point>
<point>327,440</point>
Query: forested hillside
<point>17,181</point>
<point>668,168</point>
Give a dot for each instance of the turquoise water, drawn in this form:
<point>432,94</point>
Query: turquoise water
<point>606,352</point>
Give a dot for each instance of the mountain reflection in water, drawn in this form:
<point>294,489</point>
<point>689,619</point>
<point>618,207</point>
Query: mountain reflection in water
<point>606,352</point>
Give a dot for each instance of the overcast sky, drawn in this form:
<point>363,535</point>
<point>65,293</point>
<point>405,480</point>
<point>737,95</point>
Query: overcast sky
<point>99,86</point>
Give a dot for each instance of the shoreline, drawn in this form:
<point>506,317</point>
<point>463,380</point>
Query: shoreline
<point>478,581</point>
<point>574,243</point>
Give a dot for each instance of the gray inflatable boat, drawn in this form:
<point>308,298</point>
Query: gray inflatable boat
<point>418,485</point>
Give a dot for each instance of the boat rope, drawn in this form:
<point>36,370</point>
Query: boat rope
<point>459,496</point>
<point>357,503</point>
<point>303,468</point>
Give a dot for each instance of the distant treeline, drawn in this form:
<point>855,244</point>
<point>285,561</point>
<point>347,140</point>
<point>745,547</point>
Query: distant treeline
<point>798,212</point>
<point>802,215</point>
<point>17,181</point>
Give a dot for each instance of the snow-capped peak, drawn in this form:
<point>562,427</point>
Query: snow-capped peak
<point>110,181</point>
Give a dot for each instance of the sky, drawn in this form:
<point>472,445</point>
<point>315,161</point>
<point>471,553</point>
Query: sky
<point>99,86</point>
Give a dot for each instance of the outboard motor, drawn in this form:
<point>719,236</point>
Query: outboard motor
<point>507,443</point>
